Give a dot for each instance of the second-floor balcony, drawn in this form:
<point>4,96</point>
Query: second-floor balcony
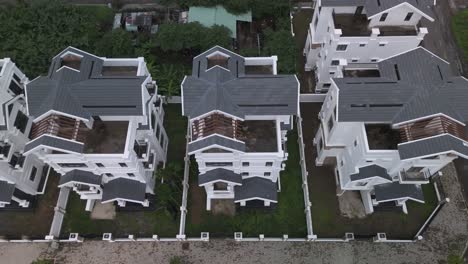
<point>431,127</point>
<point>415,174</point>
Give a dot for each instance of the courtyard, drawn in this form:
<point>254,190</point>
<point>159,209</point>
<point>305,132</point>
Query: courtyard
<point>327,220</point>
<point>287,218</point>
<point>161,218</point>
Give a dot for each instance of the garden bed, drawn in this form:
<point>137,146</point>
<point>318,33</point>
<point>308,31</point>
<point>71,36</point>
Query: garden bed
<point>326,218</point>
<point>287,218</point>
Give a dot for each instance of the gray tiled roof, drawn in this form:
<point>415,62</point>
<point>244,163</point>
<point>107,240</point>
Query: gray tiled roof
<point>123,189</point>
<point>256,187</point>
<point>54,142</point>
<point>85,93</point>
<point>425,86</point>
<point>374,6</point>
<point>369,172</point>
<point>395,190</point>
<point>216,140</point>
<point>80,176</point>
<point>217,175</point>
<point>6,191</point>
<point>432,145</point>
<point>231,91</point>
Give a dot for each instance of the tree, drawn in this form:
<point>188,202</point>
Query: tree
<point>281,43</point>
<point>117,43</point>
<point>169,188</point>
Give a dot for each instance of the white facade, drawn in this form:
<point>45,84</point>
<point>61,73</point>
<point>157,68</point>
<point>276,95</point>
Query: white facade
<point>348,143</point>
<point>26,173</point>
<point>143,143</point>
<point>358,40</point>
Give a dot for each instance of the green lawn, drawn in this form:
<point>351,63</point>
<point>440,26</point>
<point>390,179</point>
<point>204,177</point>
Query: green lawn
<point>287,218</point>
<point>460,29</point>
<point>140,223</point>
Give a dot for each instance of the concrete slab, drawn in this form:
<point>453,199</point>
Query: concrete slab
<point>351,206</point>
<point>103,211</point>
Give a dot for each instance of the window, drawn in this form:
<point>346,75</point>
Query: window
<point>267,174</point>
<point>15,88</point>
<point>409,16</point>
<point>244,174</point>
<point>21,121</point>
<point>383,17</point>
<point>341,163</point>
<point>362,44</point>
<point>316,22</point>
<point>355,143</point>
<point>16,78</point>
<point>32,175</point>
<point>161,141</point>
<point>354,60</point>
<point>320,144</point>
<point>131,175</point>
<point>326,85</point>
<point>220,186</point>
<point>218,164</point>
<point>245,164</point>
<point>374,60</point>
<point>123,165</point>
<point>382,44</point>
<point>72,165</point>
<point>158,129</point>
<point>100,165</point>
<point>330,124</point>
<point>335,62</point>
<point>341,47</point>
<point>109,175</point>
<point>332,73</point>
<point>269,164</point>
<point>72,61</point>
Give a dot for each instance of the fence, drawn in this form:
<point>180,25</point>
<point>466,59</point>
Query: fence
<point>60,211</point>
<point>183,207</point>
<point>305,185</point>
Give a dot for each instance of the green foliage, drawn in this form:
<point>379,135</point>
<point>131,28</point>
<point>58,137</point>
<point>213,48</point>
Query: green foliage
<point>176,260</point>
<point>191,36</point>
<point>281,43</point>
<point>32,32</point>
<point>169,192</point>
<point>115,44</point>
<point>454,259</point>
<point>460,29</point>
<point>168,77</point>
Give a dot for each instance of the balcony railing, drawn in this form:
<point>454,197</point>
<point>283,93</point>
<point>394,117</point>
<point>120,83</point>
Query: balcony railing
<point>415,176</point>
<point>431,127</point>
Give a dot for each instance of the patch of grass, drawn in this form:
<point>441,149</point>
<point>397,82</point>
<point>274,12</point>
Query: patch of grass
<point>287,218</point>
<point>460,29</point>
<point>140,223</point>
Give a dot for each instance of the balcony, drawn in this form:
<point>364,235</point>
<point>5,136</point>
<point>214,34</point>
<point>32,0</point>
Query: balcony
<point>17,160</point>
<point>141,149</point>
<point>388,31</point>
<point>352,25</point>
<point>60,126</point>
<point>4,150</point>
<point>415,175</point>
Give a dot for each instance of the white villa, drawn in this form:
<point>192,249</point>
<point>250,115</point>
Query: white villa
<point>20,177</point>
<point>98,122</point>
<point>356,34</point>
<point>240,111</point>
<point>393,127</point>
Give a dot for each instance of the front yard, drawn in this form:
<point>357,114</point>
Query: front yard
<point>163,221</point>
<point>35,221</point>
<point>287,218</point>
<point>326,218</point>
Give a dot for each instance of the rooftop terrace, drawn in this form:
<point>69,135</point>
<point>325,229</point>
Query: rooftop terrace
<point>106,137</point>
<point>382,136</point>
<point>119,70</point>
<point>260,136</point>
<point>352,25</point>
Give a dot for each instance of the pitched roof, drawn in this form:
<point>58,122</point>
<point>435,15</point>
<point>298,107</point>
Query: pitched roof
<point>374,7</point>
<point>216,140</point>
<point>424,85</point>
<point>395,190</point>
<point>432,145</point>
<point>369,172</point>
<point>123,189</point>
<point>6,191</point>
<point>54,142</point>
<point>80,176</point>
<point>86,92</point>
<point>256,187</point>
<point>219,175</point>
<point>231,91</point>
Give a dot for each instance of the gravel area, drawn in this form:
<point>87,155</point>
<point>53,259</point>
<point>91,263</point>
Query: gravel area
<point>447,234</point>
